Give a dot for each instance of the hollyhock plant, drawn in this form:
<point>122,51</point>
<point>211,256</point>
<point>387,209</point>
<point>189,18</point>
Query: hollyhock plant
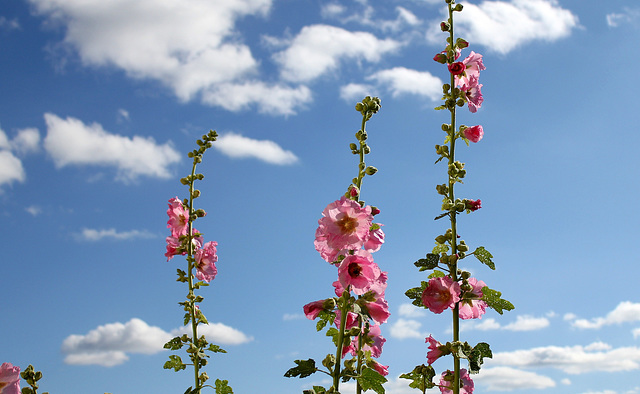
<point>205,262</point>
<point>473,133</point>
<point>359,272</point>
<point>9,379</point>
<point>446,382</point>
<point>441,293</point>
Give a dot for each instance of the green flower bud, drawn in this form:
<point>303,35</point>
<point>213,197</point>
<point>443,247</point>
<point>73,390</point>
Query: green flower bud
<point>460,102</point>
<point>441,239</point>
<point>458,7</point>
<point>446,127</point>
<point>465,275</point>
<point>196,193</point>
<point>367,150</point>
<point>353,146</point>
<point>371,170</point>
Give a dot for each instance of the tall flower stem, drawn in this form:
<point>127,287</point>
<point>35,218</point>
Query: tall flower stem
<point>191,296</point>
<point>344,310</point>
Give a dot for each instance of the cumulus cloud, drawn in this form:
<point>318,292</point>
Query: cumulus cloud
<point>71,142</point>
<point>509,379</point>
<point>502,26</point>
<point>573,359</point>
<point>318,49</point>
<point>406,328</point>
<point>401,80</point>
<point>356,91</point>
<point>110,344</point>
<point>629,15</point>
<point>625,312</point>
<point>11,169</point>
<point>411,311</point>
<point>522,323</point>
<point>239,147</point>
<point>89,234</point>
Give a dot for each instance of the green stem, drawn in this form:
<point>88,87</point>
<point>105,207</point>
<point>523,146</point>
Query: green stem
<point>359,368</point>
<point>343,324</point>
<point>192,305</point>
<point>361,165</point>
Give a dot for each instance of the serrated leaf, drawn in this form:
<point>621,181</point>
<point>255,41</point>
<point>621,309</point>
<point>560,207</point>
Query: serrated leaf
<point>304,369</point>
<point>421,377</point>
<point>440,248</point>
<point>415,294</point>
<point>175,362</point>
<point>485,257</point>
<point>477,355</point>
<point>315,390</point>
<point>370,379</point>
<point>428,263</point>
<point>494,300</point>
<point>174,344</point>
<point>436,274</point>
<point>222,387</point>
<point>216,349</point>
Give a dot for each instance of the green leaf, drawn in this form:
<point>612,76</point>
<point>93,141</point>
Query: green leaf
<point>175,362</point>
<point>370,379</point>
<point>421,377</point>
<point>485,257</point>
<point>174,344</point>
<point>440,248</point>
<point>315,390</point>
<point>436,274</point>
<point>476,356</point>
<point>222,387</point>
<point>494,300</point>
<point>304,369</point>
<point>415,294</point>
<point>428,263</point>
<point>216,349</point>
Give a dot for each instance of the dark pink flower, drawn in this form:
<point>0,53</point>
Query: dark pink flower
<point>205,262</point>
<point>9,379</point>
<point>313,309</point>
<point>473,133</point>
<point>344,225</point>
<point>473,93</point>
<point>472,205</point>
<point>358,272</point>
<point>178,218</point>
<point>447,379</point>
<point>472,306</point>
<point>352,320</point>
<point>381,369</point>
<point>379,310</point>
<point>434,352</point>
<point>440,294</point>
<point>174,246</point>
<point>441,57</point>
<point>456,68</point>
<point>373,342</point>
<point>375,240</point>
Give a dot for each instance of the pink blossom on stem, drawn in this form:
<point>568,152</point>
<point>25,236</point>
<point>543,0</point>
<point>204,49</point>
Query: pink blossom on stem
<point>359,272</point>
<point>313,309</point>
<point>434,352</point>
<point>473,133</point>
<point>381,369</point>
<point>379,310</point>
<point>205,262</point>
<point>456,68</point>
<point>344,225</point>
<point>376,239</point>
<point>446,382</point>
<point>473,65</point>
<point>472,205</point>
<point>352,320</point>
<point>178,218</point>
<point>441,293</point>
<point>9,379</point>
<point>174,245</point>
<point>372,342</point>
<point>473,93</point>
<point>474,307</point>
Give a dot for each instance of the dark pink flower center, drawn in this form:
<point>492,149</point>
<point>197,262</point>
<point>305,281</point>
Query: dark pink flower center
<point>347,224</point>
<point>354,270</point>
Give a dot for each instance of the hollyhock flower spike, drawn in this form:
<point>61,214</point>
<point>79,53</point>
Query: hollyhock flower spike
<point>9,379</point>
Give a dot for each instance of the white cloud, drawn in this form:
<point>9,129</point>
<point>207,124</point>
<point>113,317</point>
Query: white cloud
<point>293,316</point>
<point>10,168</point>
<point>401,80</point>
<point>318,49</point>
<point>89,234</point>
<point>269,99</point>
<point>355,91</point>
<point>189,46</point>
<point>26,141</point>
<point>406,328</point>
<point>7,24</point>
<point>109,345</point>
<point>636,332</point>
<point>411,311</point>
<point>572,359</point>
<point>522,323</point>
<point>70,142</point>
<point>509,379</point>
<point>629,15</point>
<point>33,210</point>
<point>625,312</point>
<point>502,26</point>
<point>239,147</point>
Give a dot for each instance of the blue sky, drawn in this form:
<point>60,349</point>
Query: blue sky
<point>101,101</point>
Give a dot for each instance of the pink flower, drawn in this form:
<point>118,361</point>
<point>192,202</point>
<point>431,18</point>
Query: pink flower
<point>178,218</point>
<point>352,320</point>
<point>473,93</point>
<point>379,310</point>
<point>472,306</point>
<point>205,262</point>
<point>473,133</point>
<point>456,68</point>
<point>313,309</point>
<point>440,294</point>
<point>434,352</point>
<point>359,272</point>
<point>441,57</point>
<point>373,342</point>
<point>344,225</point>
<point>447,379</point>
<point>376,239</point>
<point>473,65</point>
<point>381,369</point>
<point>9,379</point>
<point>472,205</point>
<point>174,246</point>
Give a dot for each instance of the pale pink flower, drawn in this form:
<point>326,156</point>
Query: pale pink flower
<point>473,308</point>
<point>473,65</point>
<point>178,218</point>
<point>447,379</point>
<point>379,310</point>
<point>376,239</point>
<point>381,369</point>
<point>313,309</point>
<point>434,352</point>
<point>473,133</point>
<point>473,93</point>
<point>440,294</point>
<point>174,246</point>
<point>358,272</point>
<point>9,379</point>
<point>205,262</point>
<point>344,225</point>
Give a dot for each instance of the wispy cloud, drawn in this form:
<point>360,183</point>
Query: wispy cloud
<point>9,24</point>
<point>401,80</point>
<point>522,323</point>
<point>239,147</point>
<point>502,26</point>
<point>71,142</point>
<point>89,234</point>
<point>110,344</point>
<point>11,169</point>
<point>509,379</point>
<point>625,312</point>
<point>628,15</point>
